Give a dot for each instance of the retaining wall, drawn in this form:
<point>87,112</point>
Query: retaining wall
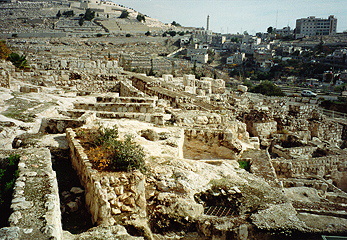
<point>320,166</point>
<point>126,89</point>
<point>35,204</point>
<point>117,107</point>
<point>110,196</point>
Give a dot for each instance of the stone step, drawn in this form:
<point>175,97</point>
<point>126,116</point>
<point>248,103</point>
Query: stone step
<point>109,99</point>
<point>156,118</point>
<point>117,107</point>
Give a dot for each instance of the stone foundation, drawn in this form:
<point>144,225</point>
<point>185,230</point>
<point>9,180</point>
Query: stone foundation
<point>112,197</point>
<point>35,204</point>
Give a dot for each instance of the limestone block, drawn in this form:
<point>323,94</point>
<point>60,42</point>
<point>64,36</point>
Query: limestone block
<point>63,64</point>
<point>168,77</point>
<point>109,64</point>
<point>242,88</point>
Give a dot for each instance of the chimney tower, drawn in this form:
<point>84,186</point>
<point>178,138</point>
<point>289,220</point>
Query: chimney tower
<point>208,22</point>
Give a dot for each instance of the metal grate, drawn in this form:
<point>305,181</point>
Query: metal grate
<point>218,211</point>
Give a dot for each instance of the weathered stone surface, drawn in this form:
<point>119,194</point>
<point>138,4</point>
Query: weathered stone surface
<point>282,217</point>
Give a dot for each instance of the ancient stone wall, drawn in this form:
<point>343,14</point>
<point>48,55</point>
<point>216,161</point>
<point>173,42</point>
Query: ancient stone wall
<point>263,130</point>
<point>320,166</point>
<point>294,152</point>
<point>128,90</point>
<point>117,107</point>
<point>326,130</point>
<point>212,143</point>
<point>35,204</point>
<point>6,72</point>
<point>110,196</point>
<point>197,118</point>
<point>79,65</point>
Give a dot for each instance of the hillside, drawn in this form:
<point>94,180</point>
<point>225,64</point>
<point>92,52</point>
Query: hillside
<point>62,18</point>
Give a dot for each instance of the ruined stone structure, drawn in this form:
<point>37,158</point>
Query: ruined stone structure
<point>109,197</point>
<point>221,164</point>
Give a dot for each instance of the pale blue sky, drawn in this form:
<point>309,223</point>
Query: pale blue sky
<point>240,15</point>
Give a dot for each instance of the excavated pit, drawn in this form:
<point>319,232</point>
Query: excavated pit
<point>75,215</point>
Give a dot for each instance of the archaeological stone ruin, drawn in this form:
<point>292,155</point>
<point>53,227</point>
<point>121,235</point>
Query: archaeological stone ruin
<point>220,163</point>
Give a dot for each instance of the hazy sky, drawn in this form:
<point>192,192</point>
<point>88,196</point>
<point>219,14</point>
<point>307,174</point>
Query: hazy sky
<point>240,15</point>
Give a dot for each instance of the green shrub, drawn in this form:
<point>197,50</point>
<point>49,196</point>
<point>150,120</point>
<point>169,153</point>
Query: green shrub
<point>18,61</point>
<point>127,156</point>
<point>128,35</point>
<point>245,165</point>
<point>69,13</point>
<point>124,14</point>
<point>122,155</point>
<point>268,88</point>
<point>8,176</point>
<point>140,18</point>
<point>89,15</point>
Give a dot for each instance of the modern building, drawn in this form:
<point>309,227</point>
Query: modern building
<point>236,58</point>
<point>286,31</point>
<point>312,26</point>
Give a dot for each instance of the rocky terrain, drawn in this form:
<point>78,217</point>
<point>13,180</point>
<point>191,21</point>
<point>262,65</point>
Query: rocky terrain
<point>194,187</point>
<point>221,164</point>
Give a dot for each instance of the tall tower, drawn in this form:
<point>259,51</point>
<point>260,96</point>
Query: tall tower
<point>208,22</point>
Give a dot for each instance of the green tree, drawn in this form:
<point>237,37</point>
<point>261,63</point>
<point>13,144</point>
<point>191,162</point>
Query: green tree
<point>58,14</point>
<point>18,61</point>
<point>81,21</point>
<point>174,23</point>
<point>148,33</point>
<point>270,30</point>
<point>172,33</point>
<point>140,18</point>
<point>151,71</point>
<point>69,13</point>
<point>268,88</point>
<point>124,14</point>
<point>164,34</point>
<point>89,14</point>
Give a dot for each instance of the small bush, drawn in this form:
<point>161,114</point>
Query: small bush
<point>268,88</point>
<point>69,13</point>
<point>109,153</point>
<point>245,165</point>
<point>89,15</point>
<point>128,35</point>
<point>8,176</point>
<point>19,61</point>
<point>140,18</point>
<point>124,14</point>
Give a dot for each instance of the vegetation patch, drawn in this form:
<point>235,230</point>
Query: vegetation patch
<point>108,153</point>
<point>245,165</point>
<point>24,109</point>
<point>268,88</point>
<point>8,176</point>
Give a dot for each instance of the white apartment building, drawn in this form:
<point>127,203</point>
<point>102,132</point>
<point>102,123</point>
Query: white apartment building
<point>199,58</point>
<point>313,26</point>
<point>249,44</point>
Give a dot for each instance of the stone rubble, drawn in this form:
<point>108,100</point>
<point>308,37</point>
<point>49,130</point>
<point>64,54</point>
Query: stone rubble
<point>196,135</point>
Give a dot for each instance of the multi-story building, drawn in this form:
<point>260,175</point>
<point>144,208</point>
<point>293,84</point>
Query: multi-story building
<point>236,58</point>
<point>286,31</point>
<point>313,26</point>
